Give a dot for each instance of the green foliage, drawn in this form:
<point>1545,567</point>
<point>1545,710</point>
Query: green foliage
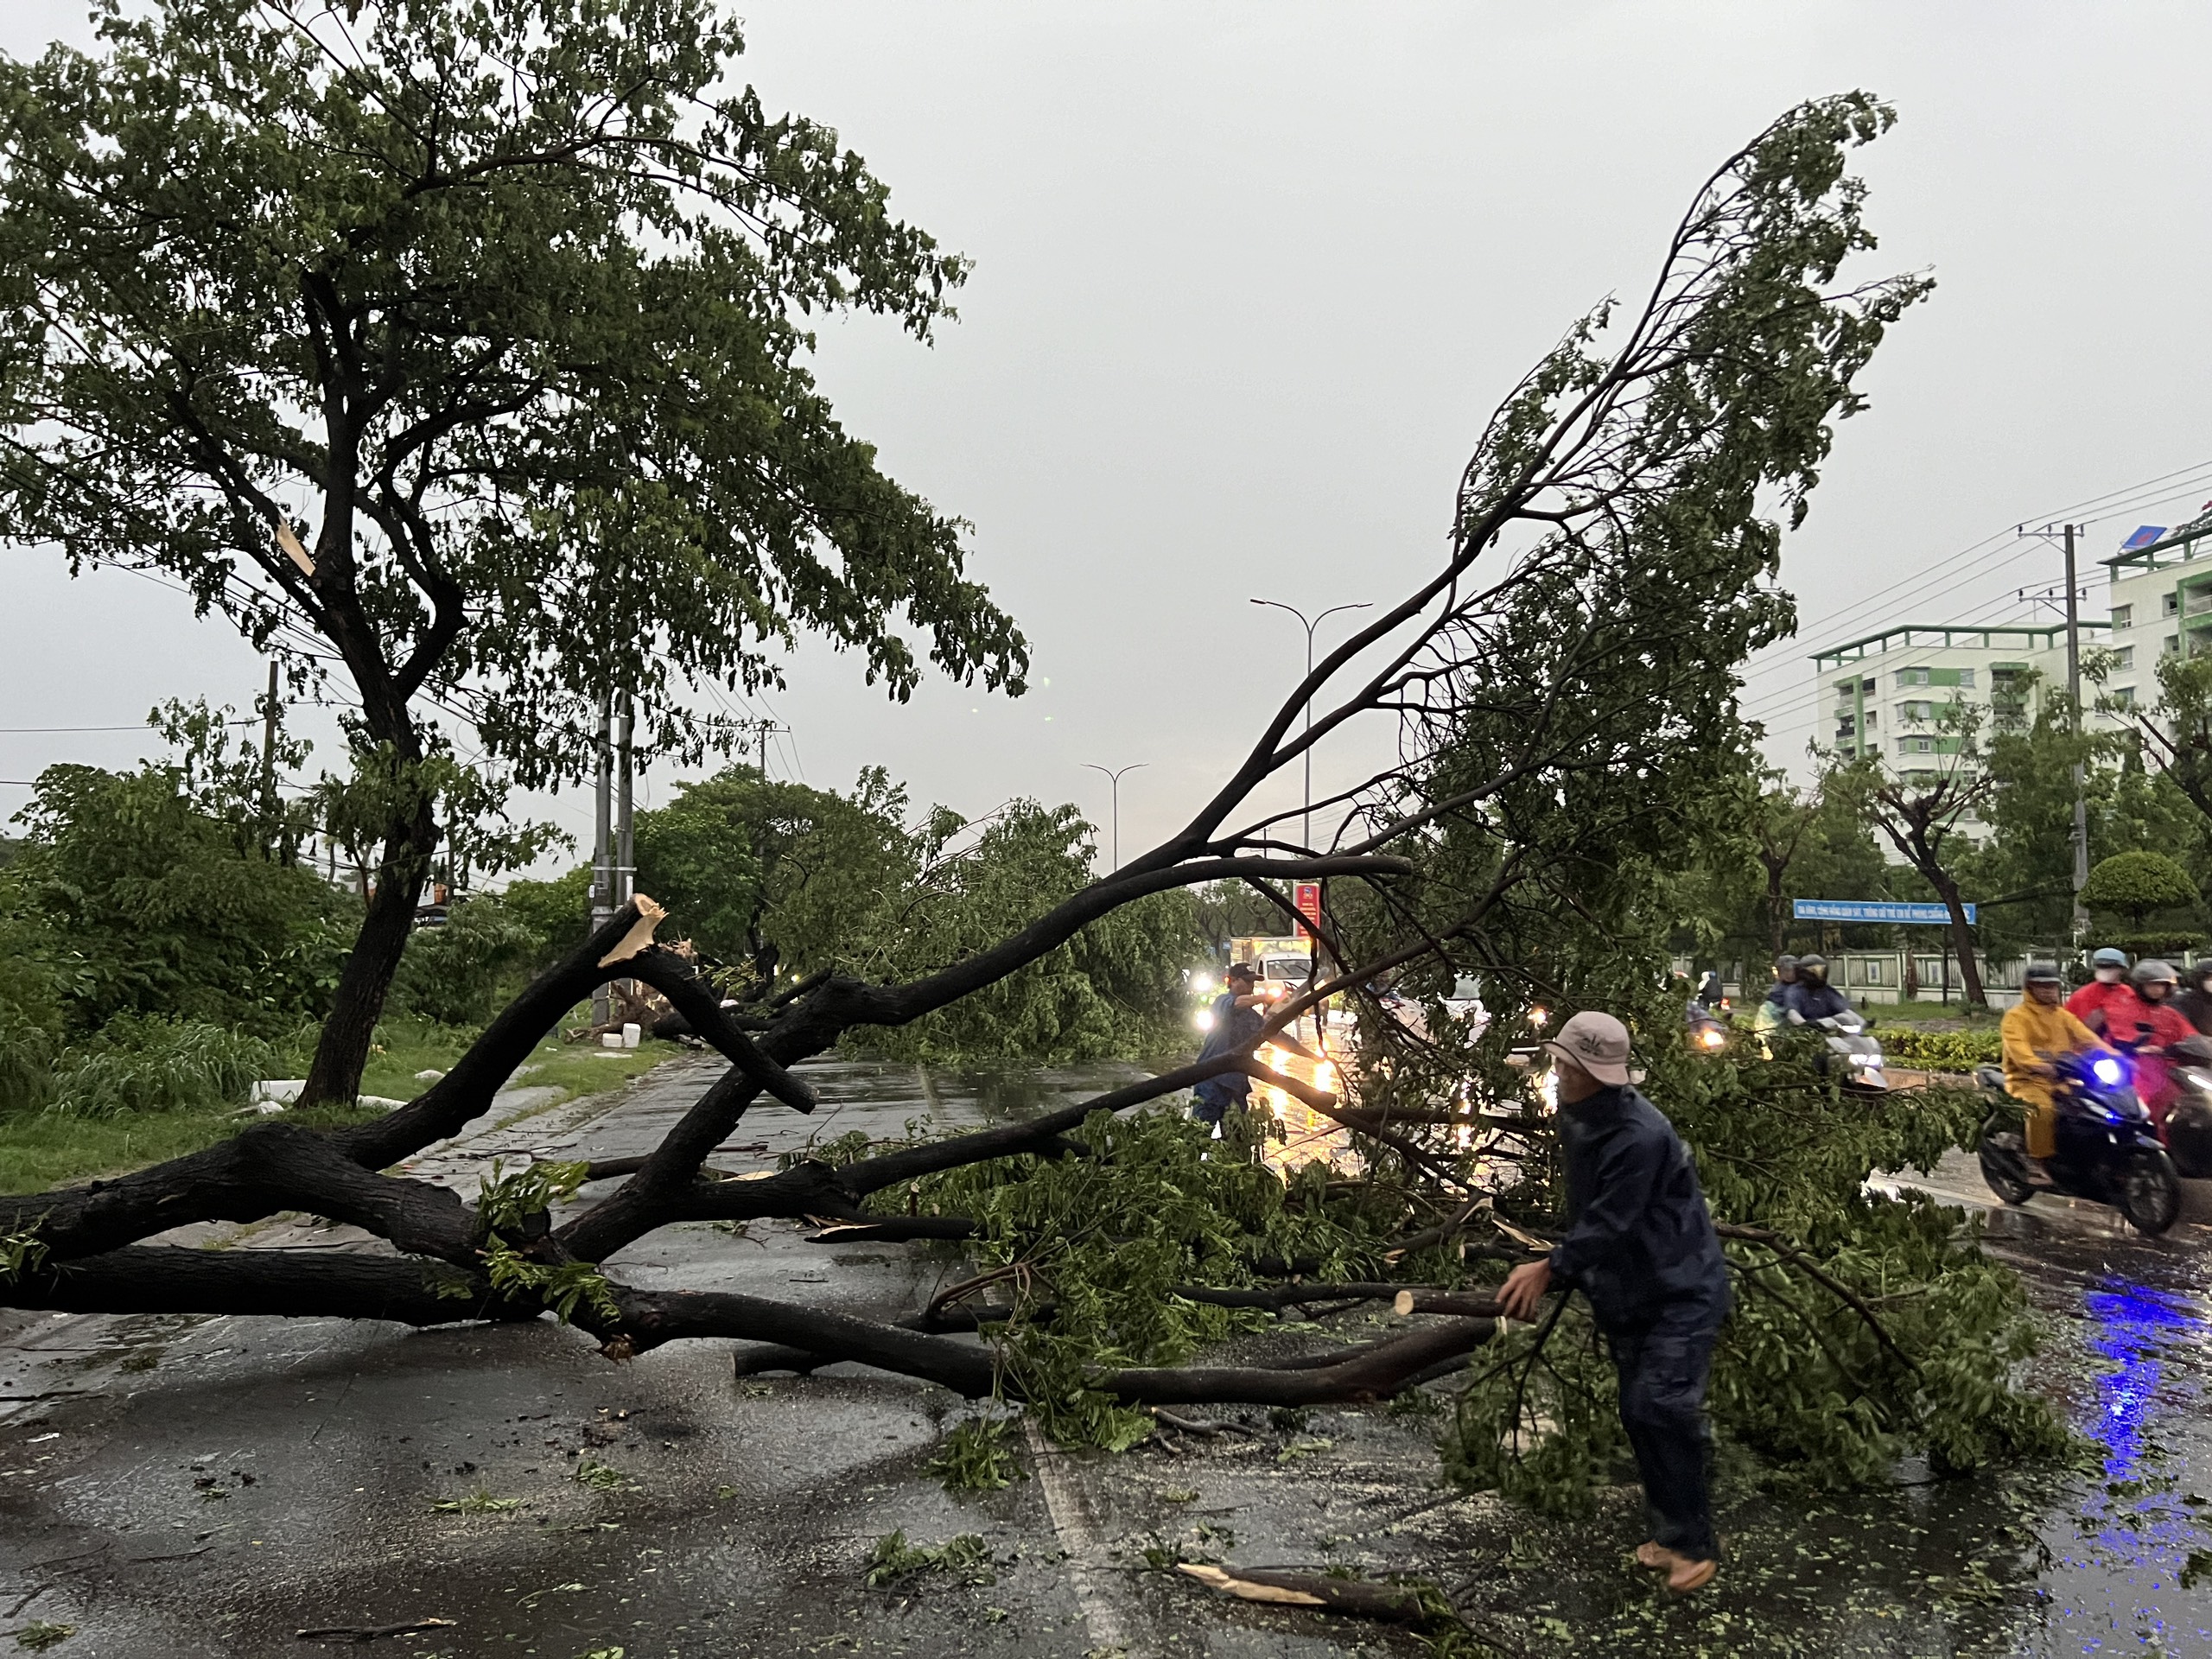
<point>558,913</point>
<point>1940,1051</point>
<point>893,1559</point>
<point>559,1288</point>
<point>506,1203</point>
<point>40,1634</point>
<point>777,876</point>
<point>20,1253</point>
<point>506,1206</point>
<point>459,974</point>
<point>1799,1376</point>
<point>977,1456</point>
<point>596,459</point>
<point>149,904</point>
<point>1115,988</point>
<point>151,1063</point>
<point>1106,1238</point>
<point>2136,884</point>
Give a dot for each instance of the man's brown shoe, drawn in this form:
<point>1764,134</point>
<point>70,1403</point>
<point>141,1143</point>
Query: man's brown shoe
<point>1684,1575</point>
<point>1654,1557</point>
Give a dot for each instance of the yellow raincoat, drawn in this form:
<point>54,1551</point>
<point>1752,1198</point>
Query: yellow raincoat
<point>2030,1032</point>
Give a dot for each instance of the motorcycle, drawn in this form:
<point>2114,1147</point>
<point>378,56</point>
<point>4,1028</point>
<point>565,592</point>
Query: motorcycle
<point>2188,1120</point>
<point>2108,1150</point>
<point>1852,1052</point>
<point>1707,1028</point>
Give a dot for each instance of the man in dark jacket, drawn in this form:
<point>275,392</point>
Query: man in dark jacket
<point>1236,1017</point>
<point>1641,1246</point>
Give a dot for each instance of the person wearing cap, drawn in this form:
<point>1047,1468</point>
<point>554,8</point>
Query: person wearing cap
<point>2108,986</point>
<point>2033,1033</point>
<point>1641,1248</point>
<point>1234,1024</point>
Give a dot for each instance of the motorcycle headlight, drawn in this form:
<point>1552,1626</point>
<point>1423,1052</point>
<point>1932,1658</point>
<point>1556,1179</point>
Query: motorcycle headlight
<point>1712,1038</point>
<point>1202,1019</point>
<point>2106,1071</point>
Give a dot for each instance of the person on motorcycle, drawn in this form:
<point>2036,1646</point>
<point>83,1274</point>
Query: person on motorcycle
<point>2195,1004</point>
<point>1785,975</point>
<point>2143,1024</point>
<point>1812,998</point>
<point>2034,1032</point>
<point>2109,986</point>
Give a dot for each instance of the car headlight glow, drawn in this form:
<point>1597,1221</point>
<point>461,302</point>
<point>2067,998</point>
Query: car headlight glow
<point>1203,984</point>
<point>1202,1019</point>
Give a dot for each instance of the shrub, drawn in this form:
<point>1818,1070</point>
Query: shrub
<point>454,974</point>
<point>142,1063</point>
<point>1939,1051</point>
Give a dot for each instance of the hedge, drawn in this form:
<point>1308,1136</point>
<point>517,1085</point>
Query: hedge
<point>1938,1050</point>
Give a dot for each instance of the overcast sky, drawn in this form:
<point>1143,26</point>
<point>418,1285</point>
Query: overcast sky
<point>1248,277</point>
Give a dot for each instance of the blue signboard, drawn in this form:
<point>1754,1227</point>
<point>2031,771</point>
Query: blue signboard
<point>1851,910</point>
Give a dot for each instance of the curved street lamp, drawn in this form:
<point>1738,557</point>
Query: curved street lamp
<point>1306,832</point>
<point>1115,775</point>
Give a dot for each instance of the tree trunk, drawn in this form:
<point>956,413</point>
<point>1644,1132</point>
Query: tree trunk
<point>1962,938</point>
<point>343,1049</point>
<point>1777,929</point>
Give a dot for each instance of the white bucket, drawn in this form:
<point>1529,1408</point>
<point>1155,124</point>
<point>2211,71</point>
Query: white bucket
<point>632,1034</point>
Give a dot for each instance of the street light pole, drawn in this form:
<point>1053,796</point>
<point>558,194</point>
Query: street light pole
<point>1116,777</point>
<point>1306,833</point>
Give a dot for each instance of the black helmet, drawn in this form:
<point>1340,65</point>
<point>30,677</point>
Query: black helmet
<point>2150,971</point>
<point>2042,973</point>
<point>1781,962</point>
<point>1813,968</point>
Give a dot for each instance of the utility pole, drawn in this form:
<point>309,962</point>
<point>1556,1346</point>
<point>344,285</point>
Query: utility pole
<point>2074,691</point>
<point>269,755</point>
<point>764,729</point>
<point>625,839</point>
<point>2065,534</point>
<point>1115,776</point>
<point>602,849</point>
<point>1305,835</point>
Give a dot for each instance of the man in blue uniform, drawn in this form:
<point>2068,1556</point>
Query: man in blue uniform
<point>1641,1246</point>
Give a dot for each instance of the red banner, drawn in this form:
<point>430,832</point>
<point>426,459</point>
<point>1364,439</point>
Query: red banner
<point>1306,895</point>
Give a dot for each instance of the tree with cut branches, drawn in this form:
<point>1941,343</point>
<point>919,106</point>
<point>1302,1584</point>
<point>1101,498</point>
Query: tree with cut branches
<point>1563,689</point>
<point>455,353</point>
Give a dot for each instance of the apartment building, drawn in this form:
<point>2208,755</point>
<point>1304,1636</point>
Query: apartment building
<point>2160,604</point>
<point>1885,693</point>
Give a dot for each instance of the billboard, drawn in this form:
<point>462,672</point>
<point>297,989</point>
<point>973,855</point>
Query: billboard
<point>1853,909</point>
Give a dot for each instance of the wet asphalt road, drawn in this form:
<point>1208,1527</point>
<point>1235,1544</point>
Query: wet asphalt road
<point>209,1486</point>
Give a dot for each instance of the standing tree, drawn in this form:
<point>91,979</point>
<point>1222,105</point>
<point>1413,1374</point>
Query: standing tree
<point>459,351</point>
<point>2138,884</point>
<point>1920,810</point>
<point>1779,820</point>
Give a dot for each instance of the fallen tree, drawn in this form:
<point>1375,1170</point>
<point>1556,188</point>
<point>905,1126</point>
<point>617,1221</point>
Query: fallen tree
<point>1562,686</point>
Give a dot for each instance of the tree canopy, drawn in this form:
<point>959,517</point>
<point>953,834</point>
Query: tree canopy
<point>456,352</point>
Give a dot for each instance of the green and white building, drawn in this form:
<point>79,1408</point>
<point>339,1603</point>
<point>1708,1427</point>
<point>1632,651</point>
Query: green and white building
<point>1883,695</point>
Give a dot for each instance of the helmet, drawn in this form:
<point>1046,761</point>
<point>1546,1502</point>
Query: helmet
<point>2042,973</point>
<point>1813,968</point>
<point>2109,957</point>
<point>2151,971</point>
